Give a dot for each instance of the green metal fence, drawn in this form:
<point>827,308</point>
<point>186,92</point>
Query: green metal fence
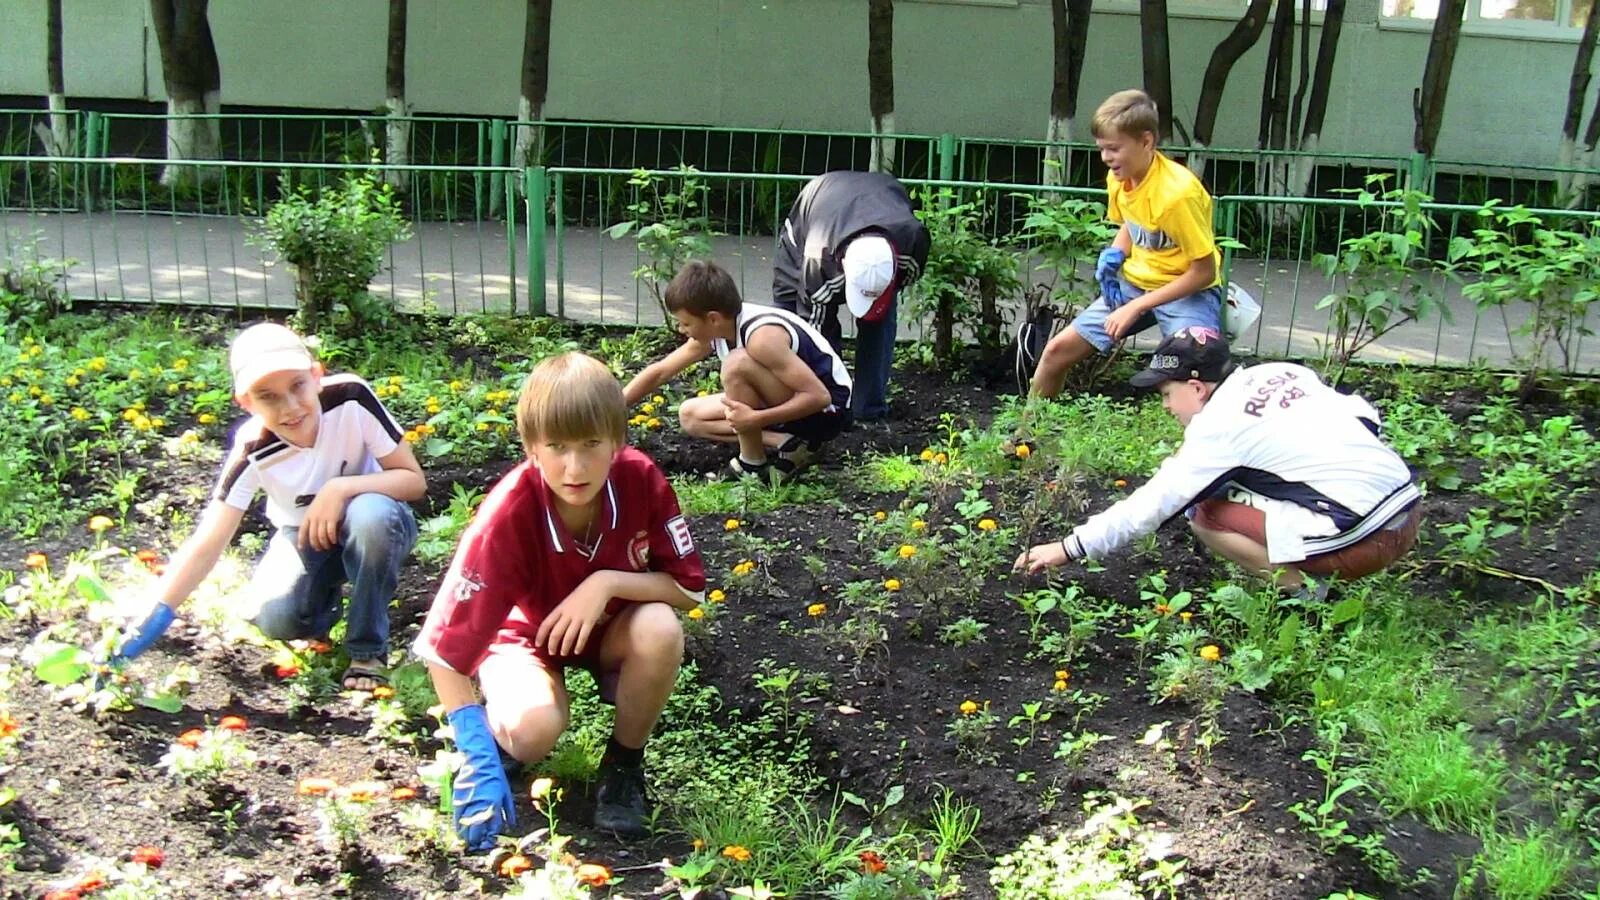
<point>146,230</point>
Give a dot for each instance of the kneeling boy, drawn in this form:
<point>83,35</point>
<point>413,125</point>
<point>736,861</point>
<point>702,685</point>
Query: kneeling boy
<point>578,557</point>
<point>785,389</point>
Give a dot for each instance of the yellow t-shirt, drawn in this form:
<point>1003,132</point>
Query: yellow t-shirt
<point>1169,219</point>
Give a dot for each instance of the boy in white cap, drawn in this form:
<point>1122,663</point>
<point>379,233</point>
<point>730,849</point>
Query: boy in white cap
<point>1278,472</point>
<point>338,476</point>
<point>852,239</point>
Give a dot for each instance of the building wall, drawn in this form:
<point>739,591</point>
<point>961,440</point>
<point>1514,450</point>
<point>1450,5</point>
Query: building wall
<point>971,67</point>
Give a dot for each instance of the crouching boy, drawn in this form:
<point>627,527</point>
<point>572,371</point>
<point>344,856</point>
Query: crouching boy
<point>579,557</point>
<point>338,476</point>
<point>785,391</point>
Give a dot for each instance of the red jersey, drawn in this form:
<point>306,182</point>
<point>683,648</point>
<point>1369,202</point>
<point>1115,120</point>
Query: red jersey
<point>517,562</point>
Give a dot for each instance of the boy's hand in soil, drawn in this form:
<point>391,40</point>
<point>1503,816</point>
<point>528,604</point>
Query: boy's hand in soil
<point>1040,557</point>
<point>148,632</point>
<point>565,631</point>
<point>320,527</point>
<point>480,793</point>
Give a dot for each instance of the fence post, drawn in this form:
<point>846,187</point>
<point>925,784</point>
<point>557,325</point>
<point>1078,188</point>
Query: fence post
<point>535,192</point>
<point>497,158</point>
<point>947,157</point>
<point>1417,173</point>
<point>89,145</point>
<point>558,186</point>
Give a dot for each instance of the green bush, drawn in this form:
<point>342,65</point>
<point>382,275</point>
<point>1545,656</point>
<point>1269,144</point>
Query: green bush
<point>335,238</point>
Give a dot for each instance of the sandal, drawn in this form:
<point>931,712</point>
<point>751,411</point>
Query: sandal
<point>371,671</point>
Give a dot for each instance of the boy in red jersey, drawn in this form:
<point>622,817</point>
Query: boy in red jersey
<point>578,557</point>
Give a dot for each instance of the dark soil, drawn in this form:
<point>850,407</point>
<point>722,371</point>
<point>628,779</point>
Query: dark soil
<point>88,788</point>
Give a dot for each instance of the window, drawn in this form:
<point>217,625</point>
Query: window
<point>1500,15</point>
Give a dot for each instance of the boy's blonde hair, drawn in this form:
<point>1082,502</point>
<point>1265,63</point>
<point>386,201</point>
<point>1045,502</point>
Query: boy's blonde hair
<point>1131,113</point>
<point>571,397</point>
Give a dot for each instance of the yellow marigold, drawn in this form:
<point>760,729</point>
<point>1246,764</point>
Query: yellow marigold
<point>1059,686</point>
<point>702,393</point>
<point>46,399</point>
<point>891,585</point>
<point>1062,674</point>
<point>1120,483</point>
<point>968,707</point>
<point>540,788</point>
<point>396,379</point>
<point>1211,653</point>
<point>736,853</point>
<point>79,413</point>
<point>697,613</point>
<point>940,459</point>
<point>1023,451</point>
<point>72,381</point>
<point>926,455</point>
<point>636,421</point>
<point>731,525</point>
<point>658,399</point>
<point>880,515</point>
<point>482,426</point>
<point>455,387</point>
<point>698,843</point>
<point>987,524</point>
<point>134,374</point>
<point>35,391</point>
<point>98,524</point>
<point>180,364</point>
<point>647,408</point>
<point>207,419</point>
<point>653,423</point>
<point>172,388</point>
<point>816,609</point>
<point>36,560</point>
<point>716,595</point>
<point>919,525</point>
<point>1186,616</point>
<point>907,551</point>
<point>411,437</point>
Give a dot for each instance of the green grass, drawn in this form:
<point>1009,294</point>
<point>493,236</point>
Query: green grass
<point>1530,866</point>
<point>699,497</point>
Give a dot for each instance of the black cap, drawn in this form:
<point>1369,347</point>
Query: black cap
<point>1193,353</point>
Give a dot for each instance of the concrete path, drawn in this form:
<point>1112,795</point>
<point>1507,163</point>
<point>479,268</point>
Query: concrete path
<point>469,268</point>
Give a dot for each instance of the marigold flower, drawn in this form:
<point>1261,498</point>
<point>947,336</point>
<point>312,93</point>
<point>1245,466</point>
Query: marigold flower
<point>90,882</point>
<point>647,408</point>
<point>736,853</point>
<point>816,609</point>
<point>872,863</point>
<point>36,560</point>
<point>968,707</point>
<point>880,515</point>
<point>1023,451</point>
<point>8,725</point>
<point>1163,609</point>
<point>907,551</point>
<point>98,364</point>
<point>151,857</point>
<point>316,787</point>
<point>146,556</point>
<point>207,419</point>
<point>233,723</point>
<point>696,613</point>
<point>744,567</point>
<point>80,414</point>
<point>62,895</point>
<point>940,459</point>
<point>919,525</point>
<point>514,865</point>
<point>1062,674</point>
<point>98,524</point>
<point>1059,686</point>
<point>541,788</point>
<point>926,455</point>
<point>891,585</point>
<point>653,423</point>
<point>1186,616</point>
<point>319,646</point>
<point>403,793</point>
<point>593,875</point>
<point>1120,483</point>
<point>411,437</point>
<point>287,670</point>
<point>367,791</point>
<point>191,738</point>
<point>482,426</point>
<point>716,595</point>
<point>1211,653</point>
<point>987,525</point>
<point>731,525</point>
<point>382,692</point>
<point>698,843</point>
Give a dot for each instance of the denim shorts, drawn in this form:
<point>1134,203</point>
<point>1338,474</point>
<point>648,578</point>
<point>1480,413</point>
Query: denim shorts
<point>1203,308</point>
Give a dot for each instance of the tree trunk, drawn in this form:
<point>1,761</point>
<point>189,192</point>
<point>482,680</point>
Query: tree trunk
<point>1157,59</point>
<point>58,139</point>
<point>193,80</point>
<point>1428,102</point>
<point>397,143</point>
<point>880,82</point>
<point>1272,174</point>
<point>1304,82</point>
<point>1244,35</point>
<point>1070,25</point>
<point>1321,85</point>
<point>1577,93</point>
<point>529,149</point>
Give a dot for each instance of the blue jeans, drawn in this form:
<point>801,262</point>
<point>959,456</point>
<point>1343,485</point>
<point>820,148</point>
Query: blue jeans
<point>299,589</point>
<point>869,398</point>
<point>1203,308</point>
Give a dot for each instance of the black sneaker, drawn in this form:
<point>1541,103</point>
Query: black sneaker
<point>621,805</point>
<point>796,454</point>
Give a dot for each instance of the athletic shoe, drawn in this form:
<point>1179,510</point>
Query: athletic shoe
<point>621,804</point>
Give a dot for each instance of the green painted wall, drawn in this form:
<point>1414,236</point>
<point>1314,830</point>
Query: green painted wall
<point>969,68</point>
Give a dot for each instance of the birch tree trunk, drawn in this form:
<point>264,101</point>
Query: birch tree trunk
<point>1428,101</point>
<point>1157,59</point>
<point>1244,35</point>
<point>57,139</point>
<point>1577,93</point>
<point>193,80</point>
<point>1321,87</point>
<point>397,143</point>
<point>880,83</point>
<point>1069,21</point>
<point>529,147</point>
<point>1271,171</point>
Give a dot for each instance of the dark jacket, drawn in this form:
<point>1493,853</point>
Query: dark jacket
<point>807,273</point>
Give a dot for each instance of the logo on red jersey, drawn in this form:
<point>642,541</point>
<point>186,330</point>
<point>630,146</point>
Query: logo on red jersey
<point>678,530</point>
<point>639,551</point>
<point>463,585</point>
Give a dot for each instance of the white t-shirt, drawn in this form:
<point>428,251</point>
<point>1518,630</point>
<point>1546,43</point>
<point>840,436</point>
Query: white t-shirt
<point>355,432</point>
<point>1275,437</point>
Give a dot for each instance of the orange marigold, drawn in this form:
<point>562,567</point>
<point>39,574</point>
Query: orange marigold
<point>593,875</point>
<point>191,738</point>
<point>872,863</point>
<point>149,856</point>
<point>515,865</point>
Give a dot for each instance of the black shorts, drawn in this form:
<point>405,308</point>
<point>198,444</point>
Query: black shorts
<point>817,428</point>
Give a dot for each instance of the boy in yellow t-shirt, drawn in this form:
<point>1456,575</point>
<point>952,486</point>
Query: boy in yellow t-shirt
<point>1162,267</point>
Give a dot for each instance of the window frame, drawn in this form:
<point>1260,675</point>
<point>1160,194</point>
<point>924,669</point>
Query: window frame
<point>1476,25</point>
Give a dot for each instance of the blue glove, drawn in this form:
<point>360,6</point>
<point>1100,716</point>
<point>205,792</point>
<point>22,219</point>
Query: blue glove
<point>1107,271</point>
<point>148,632</point>
<point>480,793</point>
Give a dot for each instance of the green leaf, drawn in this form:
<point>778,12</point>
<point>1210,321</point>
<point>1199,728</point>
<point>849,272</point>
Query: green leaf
<point>1346,610</point>
<point>435,447</point>
<point>65,665</point>
<point>167,703</point>
<point>92,588</point>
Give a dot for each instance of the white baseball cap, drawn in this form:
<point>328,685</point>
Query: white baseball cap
<point>262,349</point>
<point>868,272</point>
